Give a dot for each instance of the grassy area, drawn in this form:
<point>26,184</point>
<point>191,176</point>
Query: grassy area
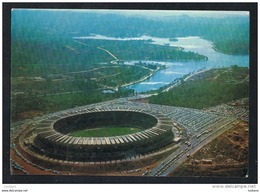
<point>105,132</point>
<point>93,79</point>
<point>214,87</point>
<point>27,102</point>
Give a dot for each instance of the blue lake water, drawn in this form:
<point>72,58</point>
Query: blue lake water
<point>178,69</point>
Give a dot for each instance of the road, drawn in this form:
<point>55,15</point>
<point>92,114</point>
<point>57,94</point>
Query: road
<point>116,59</point>
<point>196,73</point>
<point>186,79</point>
<point>108,53</point>
<point>188,148</point>
<point>90,70</point>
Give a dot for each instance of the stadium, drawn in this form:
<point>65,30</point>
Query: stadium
<point>63,142</point>
<point>51,137</point>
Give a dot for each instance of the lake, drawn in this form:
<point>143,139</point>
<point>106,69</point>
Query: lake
<point>177,69</point>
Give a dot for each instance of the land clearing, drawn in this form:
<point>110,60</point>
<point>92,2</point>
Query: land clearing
<point>227,155</point>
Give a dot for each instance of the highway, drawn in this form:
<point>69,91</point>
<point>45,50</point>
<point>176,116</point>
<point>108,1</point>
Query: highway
<point>189,148</point>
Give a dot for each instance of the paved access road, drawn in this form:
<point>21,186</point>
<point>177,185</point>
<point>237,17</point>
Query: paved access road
<point>190,147</point>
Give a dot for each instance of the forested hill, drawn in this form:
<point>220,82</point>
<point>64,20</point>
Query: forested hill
<point>230,34</point>
<point>211,88</point>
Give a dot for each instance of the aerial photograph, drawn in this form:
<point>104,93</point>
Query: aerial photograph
<point>120,92</point>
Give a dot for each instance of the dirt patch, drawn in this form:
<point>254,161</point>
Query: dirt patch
<point>227,155</point>
<point>142,100</point>
<point>29,114</point>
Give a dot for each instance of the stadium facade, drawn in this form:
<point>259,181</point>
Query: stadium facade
<point>53,140</point>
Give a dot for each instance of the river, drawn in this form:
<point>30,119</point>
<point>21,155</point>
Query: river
<point>177,69</point>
